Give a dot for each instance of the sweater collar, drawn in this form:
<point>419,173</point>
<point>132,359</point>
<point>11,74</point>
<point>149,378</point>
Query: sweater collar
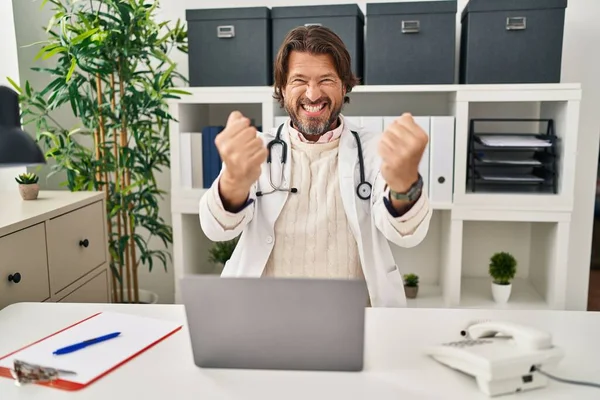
<point>327,137</point>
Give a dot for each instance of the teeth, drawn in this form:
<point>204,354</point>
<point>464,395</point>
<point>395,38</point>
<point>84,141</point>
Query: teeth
<point>313,108</point>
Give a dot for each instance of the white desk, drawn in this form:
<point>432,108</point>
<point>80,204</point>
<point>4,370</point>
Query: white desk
<point>394,366</point>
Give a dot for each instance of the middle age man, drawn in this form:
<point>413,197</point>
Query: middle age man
<point>344,193</point>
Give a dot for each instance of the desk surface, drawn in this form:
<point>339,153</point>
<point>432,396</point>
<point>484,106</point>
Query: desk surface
<point>395,368</point>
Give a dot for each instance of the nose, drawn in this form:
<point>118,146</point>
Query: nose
<point>313,92</point>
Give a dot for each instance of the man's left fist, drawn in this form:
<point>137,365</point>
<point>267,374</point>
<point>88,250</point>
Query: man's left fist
<point>401,148</point>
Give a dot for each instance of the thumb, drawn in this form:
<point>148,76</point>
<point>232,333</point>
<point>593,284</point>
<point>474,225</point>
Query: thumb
<point>234,116</point>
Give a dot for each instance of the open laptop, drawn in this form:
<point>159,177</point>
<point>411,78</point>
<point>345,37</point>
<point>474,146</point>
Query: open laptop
<point>275,323</point>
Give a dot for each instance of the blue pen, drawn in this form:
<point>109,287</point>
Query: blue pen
<point>86,343</point>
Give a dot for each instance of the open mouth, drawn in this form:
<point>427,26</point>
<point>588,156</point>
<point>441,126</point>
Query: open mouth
<point>314,109</point>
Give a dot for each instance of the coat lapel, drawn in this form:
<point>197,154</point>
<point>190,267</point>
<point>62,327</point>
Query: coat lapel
<point>347,165</point>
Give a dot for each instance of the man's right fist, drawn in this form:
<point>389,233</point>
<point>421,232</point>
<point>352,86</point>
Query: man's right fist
<point>242,152</point>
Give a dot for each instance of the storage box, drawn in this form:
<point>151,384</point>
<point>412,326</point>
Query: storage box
<point>411,43</point>
<point>229,47</point>
<point>512,41</point>
<point>346,20</point>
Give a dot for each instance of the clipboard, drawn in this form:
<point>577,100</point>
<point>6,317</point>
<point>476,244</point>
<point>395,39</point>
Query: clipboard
<point>138,334</point>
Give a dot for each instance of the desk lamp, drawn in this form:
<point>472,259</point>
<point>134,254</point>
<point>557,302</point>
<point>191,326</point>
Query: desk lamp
<point>17,148</point>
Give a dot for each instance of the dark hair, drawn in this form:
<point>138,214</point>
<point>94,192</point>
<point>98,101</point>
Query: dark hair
<point>313,39</point>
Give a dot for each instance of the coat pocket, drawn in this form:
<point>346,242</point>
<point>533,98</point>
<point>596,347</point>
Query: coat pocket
<point>394,275</point>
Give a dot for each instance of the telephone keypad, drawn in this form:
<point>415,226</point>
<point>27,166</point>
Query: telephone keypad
<point>467,343</point>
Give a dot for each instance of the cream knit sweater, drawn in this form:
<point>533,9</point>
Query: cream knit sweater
<point>312,237</point>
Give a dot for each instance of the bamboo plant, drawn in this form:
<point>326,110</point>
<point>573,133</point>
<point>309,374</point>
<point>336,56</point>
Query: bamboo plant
<point>113,70</point>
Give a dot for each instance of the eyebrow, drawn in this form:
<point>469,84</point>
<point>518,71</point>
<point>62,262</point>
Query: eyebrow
<point>305,77</point>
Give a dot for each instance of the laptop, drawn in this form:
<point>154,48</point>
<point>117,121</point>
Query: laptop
<point>275,323</point>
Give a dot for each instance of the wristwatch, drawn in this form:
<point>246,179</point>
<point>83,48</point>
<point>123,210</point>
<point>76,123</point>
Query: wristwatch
<point>412,194</point>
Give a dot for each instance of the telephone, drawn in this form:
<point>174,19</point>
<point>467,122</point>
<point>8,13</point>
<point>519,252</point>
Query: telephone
<point>502,356</point>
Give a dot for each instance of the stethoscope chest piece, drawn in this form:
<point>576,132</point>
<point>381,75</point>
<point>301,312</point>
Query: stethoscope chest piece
<point>363,190</point>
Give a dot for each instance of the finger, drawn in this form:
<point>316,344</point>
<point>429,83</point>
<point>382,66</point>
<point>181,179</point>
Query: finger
<point>399,135</point>
<point>386,148</point>
<point>255,145</point>
<point>245,135</point>
<point>413,127</point>
<point>235,128</point>
<point>258,156</point>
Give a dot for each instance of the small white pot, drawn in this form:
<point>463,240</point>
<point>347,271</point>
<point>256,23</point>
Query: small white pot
<point>501,293</point>
<point>145,297</point>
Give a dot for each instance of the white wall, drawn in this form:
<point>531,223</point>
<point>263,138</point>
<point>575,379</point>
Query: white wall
<point>9,67</point>
<point>581,63</point>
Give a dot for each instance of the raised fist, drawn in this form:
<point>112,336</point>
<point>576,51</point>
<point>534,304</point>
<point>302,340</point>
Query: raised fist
<point>242,152</point>
<point>401,148</point>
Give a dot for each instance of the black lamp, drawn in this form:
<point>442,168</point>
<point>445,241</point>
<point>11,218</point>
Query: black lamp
<point>17,148</point>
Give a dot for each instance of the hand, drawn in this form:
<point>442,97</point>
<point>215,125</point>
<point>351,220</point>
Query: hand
<point>401,148</point>
<point>242,152</point>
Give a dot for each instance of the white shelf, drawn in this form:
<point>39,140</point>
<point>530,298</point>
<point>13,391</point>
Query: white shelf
<point>429,296</point>
<point>477,293</point>
<point>452,261</point>
<point>186,201</point>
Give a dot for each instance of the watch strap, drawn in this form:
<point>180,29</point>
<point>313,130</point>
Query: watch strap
<point>412,194</point>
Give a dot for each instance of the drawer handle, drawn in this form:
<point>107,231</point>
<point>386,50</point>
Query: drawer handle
<point>84,243</point>
<point>14,278</point>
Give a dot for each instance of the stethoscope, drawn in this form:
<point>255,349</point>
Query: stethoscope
<point>363,190</point>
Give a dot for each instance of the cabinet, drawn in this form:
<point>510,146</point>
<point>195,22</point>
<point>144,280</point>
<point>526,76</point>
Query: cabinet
<point>467,227</point>
<point>54,248</point>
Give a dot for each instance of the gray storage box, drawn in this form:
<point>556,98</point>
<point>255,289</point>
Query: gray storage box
<point>512,41</point>
<point>411,43</point>
<point>229,47</point>
<point>346,20</point>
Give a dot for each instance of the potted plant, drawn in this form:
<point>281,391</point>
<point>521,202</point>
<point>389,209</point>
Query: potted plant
<point>221,252</point>
<point>28,185</point>
<point>110,65</point>
<point>503,267</point>
<point>411,285</point>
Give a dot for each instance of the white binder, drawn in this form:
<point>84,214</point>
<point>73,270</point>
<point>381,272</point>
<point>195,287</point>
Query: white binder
<point>424,166</point>
<point>372,124</point>
<point>441,143</point>
<point>185,160</point>
<point>353,122</point>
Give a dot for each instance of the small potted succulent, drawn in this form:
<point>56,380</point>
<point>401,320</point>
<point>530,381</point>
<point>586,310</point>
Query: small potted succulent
<point>411,285</point>
<point>503,267</point>
<point>221,252</point>
<point>28,185</point>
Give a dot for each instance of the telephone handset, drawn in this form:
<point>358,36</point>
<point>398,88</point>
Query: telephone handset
<point>502,356</point>
<point>523,336</point>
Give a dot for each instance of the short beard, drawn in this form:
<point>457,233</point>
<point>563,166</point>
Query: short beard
<point>312,127</point>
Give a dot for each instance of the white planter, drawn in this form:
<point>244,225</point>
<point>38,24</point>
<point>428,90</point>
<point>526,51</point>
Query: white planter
<point>145,296</point>
<point>501,293</point>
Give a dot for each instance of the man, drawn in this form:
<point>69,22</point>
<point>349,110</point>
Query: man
<point>318,221</point>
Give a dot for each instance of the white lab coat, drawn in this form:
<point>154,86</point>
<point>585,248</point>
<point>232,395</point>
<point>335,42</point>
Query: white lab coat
<point>367,219</point>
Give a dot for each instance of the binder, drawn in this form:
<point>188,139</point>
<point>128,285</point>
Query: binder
<point>353,122</point>
<point>211,161</point>
<point>185,159</point>
<point>424,165</point>
<point>138,334</point>
<point>372,124</point>
<point>442,160</point>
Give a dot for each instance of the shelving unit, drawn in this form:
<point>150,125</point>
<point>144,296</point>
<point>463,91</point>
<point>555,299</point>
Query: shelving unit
<point>452,261</point>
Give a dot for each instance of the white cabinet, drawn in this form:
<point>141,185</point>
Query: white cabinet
<point>54,248</point>
<point>467,227</point>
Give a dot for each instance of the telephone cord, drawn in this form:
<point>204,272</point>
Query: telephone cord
<point>570,381</point>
